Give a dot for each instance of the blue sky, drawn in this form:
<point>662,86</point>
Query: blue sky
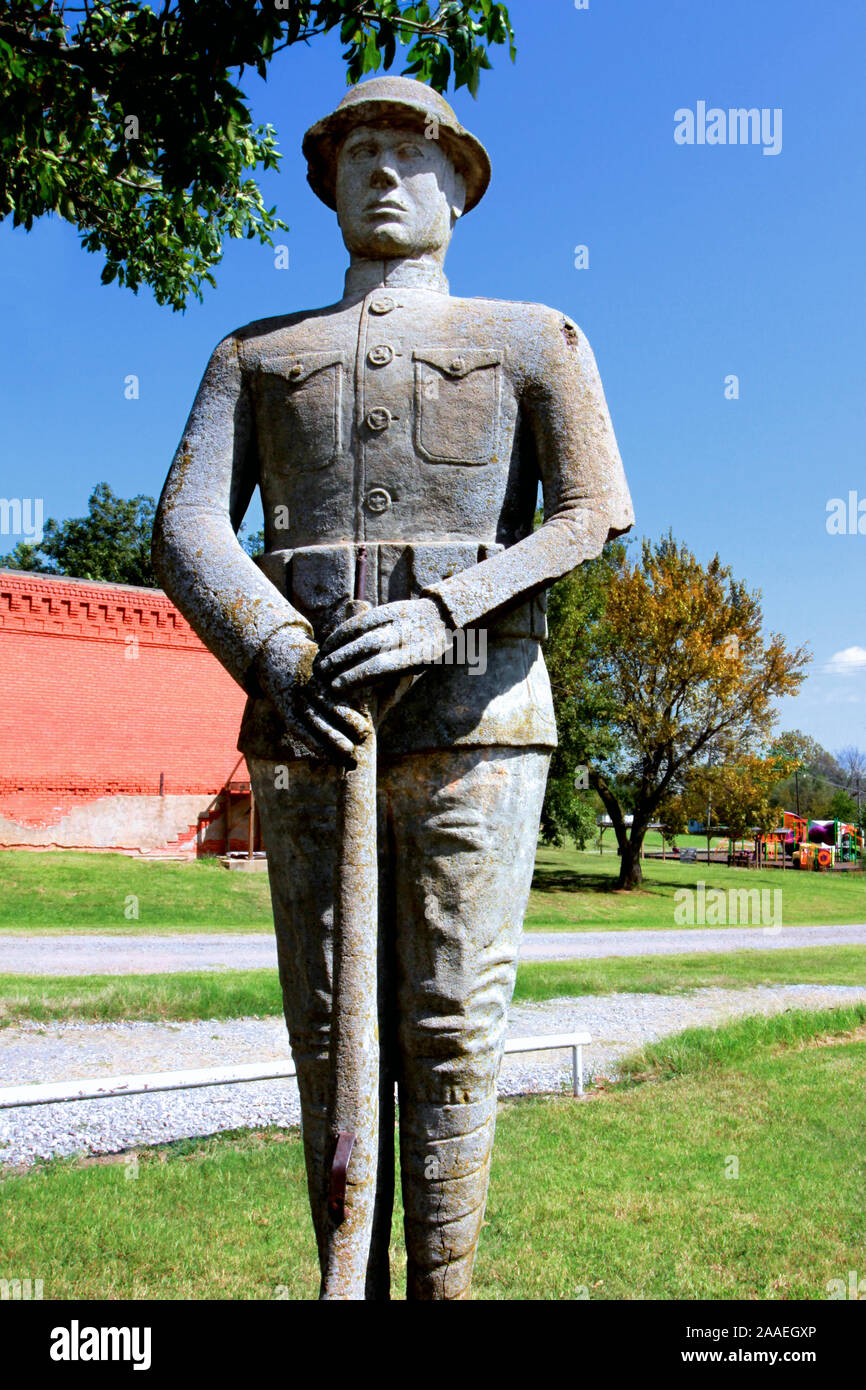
<point>704,261</point>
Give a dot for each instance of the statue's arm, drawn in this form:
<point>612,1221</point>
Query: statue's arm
<point>586,497</point>
<point>257,635</point>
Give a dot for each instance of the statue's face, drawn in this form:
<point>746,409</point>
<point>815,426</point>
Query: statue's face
<point>398,194</point>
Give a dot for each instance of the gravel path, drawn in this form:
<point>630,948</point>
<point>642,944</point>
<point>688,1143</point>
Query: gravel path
<point>87,954</point>
<point>38,1052</point>
<point>136,955</point>
<point>596,944</point>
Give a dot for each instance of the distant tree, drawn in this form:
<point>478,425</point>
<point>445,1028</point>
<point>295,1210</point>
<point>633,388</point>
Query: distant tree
<point>852,761</point>
<point>813,777</point>
<point>686,676</point>
<point>672,815</point>
<point>739,792</point>
<point>254,543</point>
<point>843,807</point>
<point>128,119</point>
<point>583,707</point>
<point>111,543</point>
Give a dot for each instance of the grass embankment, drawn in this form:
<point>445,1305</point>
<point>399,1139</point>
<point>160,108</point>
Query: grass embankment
<point>698,1050</point>
<point>245,993</point>
<point>739,1176</point>
<point>572,891</point>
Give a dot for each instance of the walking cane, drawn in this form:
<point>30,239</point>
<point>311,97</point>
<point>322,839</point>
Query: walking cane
<point>354,1049</point>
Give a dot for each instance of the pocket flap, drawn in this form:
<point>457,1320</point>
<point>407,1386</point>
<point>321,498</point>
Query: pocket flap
<point>458,362</point>
<point>296,367</point>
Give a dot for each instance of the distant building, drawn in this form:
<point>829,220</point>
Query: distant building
<point>118,727</point>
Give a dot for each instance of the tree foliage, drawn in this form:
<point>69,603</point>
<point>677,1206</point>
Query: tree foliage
<point>254,543</point>
<point>813,776</point>
<point>843,807</point>
<point>584,707</point>
<point>129,120</point>
<point>112,542</point>
<point>672,670</point>
<point>739,793</point>
<point>852,761</point>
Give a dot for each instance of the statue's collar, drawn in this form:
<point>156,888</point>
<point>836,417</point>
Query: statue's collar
<point>422,274</point>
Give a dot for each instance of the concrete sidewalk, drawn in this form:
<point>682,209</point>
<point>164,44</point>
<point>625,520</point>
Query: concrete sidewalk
<point>137,955</point>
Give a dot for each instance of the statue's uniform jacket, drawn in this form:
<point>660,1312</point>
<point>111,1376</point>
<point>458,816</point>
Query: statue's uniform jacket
<point>420,424</point>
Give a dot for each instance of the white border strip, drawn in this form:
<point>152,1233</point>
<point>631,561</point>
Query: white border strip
<point>106,1088</point>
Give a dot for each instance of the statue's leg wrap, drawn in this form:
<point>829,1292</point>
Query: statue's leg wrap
<point>445,1164</point>
<point>465,825</point>
<point>299,825</point>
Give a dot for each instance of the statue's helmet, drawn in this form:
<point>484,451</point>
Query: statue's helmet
<point>394,101</point>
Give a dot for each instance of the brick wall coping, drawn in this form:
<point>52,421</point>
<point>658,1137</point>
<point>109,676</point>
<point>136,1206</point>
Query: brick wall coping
<point>60,606</point>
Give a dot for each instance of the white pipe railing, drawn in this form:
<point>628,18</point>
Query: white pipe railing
<point>576,1041</point>
<point>111,1087</point>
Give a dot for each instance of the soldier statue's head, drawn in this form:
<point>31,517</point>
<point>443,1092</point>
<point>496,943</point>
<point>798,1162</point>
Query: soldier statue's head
<point>395,164</point>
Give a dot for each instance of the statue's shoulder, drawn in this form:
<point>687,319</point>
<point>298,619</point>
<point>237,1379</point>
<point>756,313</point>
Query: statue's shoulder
<point>531,331</point>
<point>282,333</point>
<point>524,319</point>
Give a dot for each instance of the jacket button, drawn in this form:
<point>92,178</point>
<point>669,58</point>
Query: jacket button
<point>380,355</point>
<point>378,419</point>
<point>457,364</point>
<point>295,371</point>
<point>382,304</point>
<point>378,499</point>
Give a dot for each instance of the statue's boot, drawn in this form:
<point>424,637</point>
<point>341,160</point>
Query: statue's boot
<point>445,1166</point>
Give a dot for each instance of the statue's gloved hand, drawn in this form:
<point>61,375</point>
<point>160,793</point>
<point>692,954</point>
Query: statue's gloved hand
<point>317,724</point>
<point>391,639</point>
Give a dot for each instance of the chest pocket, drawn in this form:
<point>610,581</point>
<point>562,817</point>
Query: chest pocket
<point>457,404</point>
<point>301,396</point>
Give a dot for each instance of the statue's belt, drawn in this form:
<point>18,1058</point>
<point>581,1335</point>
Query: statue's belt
<point>319,579</point>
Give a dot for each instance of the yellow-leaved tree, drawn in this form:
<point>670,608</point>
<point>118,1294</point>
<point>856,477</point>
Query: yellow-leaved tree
<point>690,678</point>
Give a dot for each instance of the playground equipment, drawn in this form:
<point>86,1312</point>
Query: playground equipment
<point>811,856</point>
<point>810,844</point>
<point>830,842</point>
<point>778,846</point>
<point>843,838</point>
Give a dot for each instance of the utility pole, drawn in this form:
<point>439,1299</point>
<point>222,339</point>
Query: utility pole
<point>709,820</point>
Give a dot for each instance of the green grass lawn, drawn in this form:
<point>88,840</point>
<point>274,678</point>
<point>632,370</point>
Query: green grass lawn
<point>653,841</point>
<point>244,993</point>
<point>572,891</point>
<point>817,965</point>
<point>63,891</point>
<point>629,1195</point>
<point>576,890</point>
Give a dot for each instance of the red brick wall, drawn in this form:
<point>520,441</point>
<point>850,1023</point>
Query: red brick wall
<point>102,688</point>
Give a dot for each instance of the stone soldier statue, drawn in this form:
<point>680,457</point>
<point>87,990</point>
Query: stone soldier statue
<point>416,426</point>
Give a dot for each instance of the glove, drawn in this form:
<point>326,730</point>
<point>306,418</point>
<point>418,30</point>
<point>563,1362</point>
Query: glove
<point>392,639</point>
<point>318,724</point>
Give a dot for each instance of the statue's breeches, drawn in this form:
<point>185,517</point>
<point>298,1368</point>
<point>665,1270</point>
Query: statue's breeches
<point>457,834</point>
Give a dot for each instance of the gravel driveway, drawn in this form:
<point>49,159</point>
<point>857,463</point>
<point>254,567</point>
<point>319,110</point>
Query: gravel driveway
<point>44,1052</point>
<point>137,955</point>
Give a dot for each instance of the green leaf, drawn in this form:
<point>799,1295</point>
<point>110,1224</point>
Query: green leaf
<point>61,120</point>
